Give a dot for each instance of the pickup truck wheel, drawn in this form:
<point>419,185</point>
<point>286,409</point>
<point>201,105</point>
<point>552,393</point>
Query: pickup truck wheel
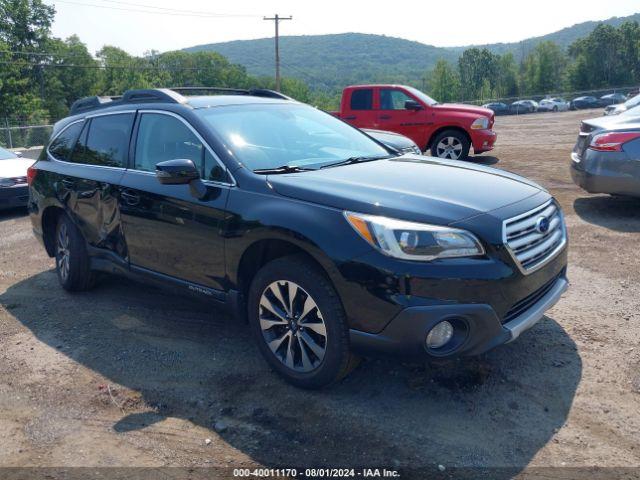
<point>299,324</point>
<point>72,261</point>
<point>451,144</point>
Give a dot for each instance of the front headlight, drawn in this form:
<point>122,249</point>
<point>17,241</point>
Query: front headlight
<point>414,241</point>
<point>7,182</point>
<point>481,123</point>
<point>416,150</point>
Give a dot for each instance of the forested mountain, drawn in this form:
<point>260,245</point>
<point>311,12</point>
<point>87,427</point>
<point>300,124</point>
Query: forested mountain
<point>330,61</point>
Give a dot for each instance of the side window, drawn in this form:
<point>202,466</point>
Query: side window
<point>362,99</point>
<point>393,99</point>
<point>60,148</point>
<point>162,137</point>
<point>105,141</point>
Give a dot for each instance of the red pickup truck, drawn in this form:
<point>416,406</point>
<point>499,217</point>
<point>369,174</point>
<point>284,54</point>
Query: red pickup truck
<point>448,130</point>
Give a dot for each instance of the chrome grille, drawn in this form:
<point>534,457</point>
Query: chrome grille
<point>529,242</point>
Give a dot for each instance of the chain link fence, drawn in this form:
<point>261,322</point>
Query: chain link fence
<point>24,136</point>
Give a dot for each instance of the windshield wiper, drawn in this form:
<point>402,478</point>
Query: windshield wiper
<point>282,169</point>
<point>352,160</point>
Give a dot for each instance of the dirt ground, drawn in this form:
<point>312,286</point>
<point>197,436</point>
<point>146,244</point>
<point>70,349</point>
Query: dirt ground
<point>126,375</point>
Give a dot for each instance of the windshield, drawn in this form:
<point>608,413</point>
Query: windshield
<point>632,102</point>
<point>422,96</point>
<point>269,136</point>
<point>6,154</point>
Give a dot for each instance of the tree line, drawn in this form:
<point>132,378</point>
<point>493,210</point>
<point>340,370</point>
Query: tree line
<point>607,57</point>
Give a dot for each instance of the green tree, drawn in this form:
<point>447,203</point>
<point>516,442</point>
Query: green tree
<point>607,57</point>
<point>445,82</point>
<point>543,69</point>
<point>24,33</point>
<point>629,49</point>
<point>506,84</point>
<point>70,73</point>
<point>25,25</point>
<point>121,71</point>
<point>200,69</point>
<point>478,70</point>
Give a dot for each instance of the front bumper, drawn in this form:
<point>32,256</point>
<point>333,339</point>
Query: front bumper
<point>481,327</point>
<point>483,140</point>
<point>606,172</point>
<point>13,197</point>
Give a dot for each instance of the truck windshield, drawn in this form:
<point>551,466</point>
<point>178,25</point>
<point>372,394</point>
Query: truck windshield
<point>422,96</point>
<point>281,135</point>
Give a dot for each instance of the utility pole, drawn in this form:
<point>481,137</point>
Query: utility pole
<point>277,19</point>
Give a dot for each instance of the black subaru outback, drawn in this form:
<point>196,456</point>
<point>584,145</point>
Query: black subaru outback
<point>328,242</point>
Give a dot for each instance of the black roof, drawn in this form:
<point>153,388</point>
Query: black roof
<point>179,95</point>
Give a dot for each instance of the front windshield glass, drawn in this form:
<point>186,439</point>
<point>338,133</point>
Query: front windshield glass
<point>7,154</point>
<point>632,102</point>
<point>268,136</point>
<point>422,96</point>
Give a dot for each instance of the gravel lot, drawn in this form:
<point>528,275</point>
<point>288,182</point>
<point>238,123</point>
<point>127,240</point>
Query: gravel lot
<point>127,375</point>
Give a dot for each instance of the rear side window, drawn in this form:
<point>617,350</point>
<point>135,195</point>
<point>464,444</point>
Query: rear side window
<point>362,99</point>
<point>163,137</point>
<point>60,148</point>
<point>105,141</point>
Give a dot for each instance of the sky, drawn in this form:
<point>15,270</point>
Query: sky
<point>139,26</point>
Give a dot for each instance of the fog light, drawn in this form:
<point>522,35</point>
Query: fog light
<point>440,335</point>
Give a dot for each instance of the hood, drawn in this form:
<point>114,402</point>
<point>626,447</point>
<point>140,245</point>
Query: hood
<point>410,187</point>
<point>15,167</point>
<point>459,107</point>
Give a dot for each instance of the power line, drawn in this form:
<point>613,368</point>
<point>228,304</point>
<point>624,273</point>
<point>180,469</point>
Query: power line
<point>195,12</point>
<point>156,12</point>
<point>109,67</point>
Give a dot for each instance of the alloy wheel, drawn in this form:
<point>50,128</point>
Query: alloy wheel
<point>449,147</point>
<point>293,326</point>
<point>62,251</point>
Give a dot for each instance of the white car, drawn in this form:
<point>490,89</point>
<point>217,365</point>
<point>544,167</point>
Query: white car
<point>14,191</point>
<point>622,107</point>
<point>553,105</point>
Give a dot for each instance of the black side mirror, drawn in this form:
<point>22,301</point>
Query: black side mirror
<point>176,172</point>
<point>412,105</point>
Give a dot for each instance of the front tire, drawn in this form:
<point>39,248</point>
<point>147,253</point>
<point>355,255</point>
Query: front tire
<point>451,144</point>
<point>299,324</point>
<point>72,261</point>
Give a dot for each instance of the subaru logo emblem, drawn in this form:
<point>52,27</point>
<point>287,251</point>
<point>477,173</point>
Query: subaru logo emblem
<point>542,225</point>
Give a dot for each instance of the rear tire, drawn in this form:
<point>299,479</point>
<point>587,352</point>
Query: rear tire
<point>451,144</point>
<point>298,321</point>
<point>72,261</point>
